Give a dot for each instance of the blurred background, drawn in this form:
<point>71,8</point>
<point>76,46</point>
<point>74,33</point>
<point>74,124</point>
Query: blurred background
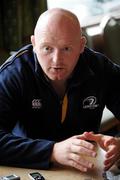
<point>17,21</point>
<point>100,20</point>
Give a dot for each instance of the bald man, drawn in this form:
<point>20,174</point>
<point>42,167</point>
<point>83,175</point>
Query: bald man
<point>52,95</point>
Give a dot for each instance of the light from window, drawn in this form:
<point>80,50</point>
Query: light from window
<point>88,11</point>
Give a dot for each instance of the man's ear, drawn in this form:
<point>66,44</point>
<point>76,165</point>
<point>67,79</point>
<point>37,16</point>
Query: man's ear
<point>33,40</point>
<point>82,43</point>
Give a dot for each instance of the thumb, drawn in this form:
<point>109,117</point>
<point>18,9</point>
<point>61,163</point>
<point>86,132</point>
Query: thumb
<point>93,137</point>
<point>98,138</point>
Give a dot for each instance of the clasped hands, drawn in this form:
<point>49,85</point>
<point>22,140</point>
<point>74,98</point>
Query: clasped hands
<point>72,151</point>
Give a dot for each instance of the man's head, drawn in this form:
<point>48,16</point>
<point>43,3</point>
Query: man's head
<point>58,42</point>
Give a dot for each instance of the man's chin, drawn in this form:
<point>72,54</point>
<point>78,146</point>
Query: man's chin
<point>56,78</point>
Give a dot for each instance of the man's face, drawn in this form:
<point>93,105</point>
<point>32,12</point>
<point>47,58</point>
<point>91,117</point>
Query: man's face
<point>57,51</point>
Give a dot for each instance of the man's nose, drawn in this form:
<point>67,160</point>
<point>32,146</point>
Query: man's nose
<point>57,56</point>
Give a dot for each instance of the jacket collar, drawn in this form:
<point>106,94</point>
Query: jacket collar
<point>82,71</point>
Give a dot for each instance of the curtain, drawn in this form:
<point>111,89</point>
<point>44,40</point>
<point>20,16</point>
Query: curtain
<point>17,22</point>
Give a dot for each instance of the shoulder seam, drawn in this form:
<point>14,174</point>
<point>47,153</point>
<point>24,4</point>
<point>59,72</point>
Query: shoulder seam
<point>11,59</point>
<point>20,53</point>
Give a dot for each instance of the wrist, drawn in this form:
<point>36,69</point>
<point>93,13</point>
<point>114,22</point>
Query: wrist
<point>53,159</point>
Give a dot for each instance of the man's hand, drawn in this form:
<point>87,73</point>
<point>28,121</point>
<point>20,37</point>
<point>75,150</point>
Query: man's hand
<point>72,152</point>
<point>110,144</point>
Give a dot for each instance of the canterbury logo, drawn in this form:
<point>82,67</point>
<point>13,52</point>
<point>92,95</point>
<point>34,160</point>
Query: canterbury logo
<point>36,104</point>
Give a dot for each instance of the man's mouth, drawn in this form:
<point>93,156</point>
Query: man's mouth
<point>56,68</point>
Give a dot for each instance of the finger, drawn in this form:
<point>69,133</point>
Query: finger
<point>74,164</point>
<point>110,159</point>
<point>79,160</point>
<point>110,141</point>
<point>83,136</point>
<point>111,150</point>
<point>80,142</point>
<point>83,151</point>
<point>113,158</point>
<point>92,136</point>
<point>108,166</point>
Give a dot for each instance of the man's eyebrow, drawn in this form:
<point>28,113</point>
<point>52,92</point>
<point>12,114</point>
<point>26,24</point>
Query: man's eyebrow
<point>47,43</point>
<point>44,43</point>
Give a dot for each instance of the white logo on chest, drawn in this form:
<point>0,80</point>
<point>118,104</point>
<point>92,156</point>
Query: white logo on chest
<point>36,104</point>
<point>90,102</point>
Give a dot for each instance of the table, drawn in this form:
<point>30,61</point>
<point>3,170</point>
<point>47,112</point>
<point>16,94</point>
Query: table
<point>60,173</point>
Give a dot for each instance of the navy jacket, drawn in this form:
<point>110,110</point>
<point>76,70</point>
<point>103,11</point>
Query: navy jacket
<point>33,117</point>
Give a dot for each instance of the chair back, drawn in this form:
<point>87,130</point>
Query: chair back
<point>111,36</point>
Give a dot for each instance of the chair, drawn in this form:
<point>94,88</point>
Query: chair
<point>111,35</point>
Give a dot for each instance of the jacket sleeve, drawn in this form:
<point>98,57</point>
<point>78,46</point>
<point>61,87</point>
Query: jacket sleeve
<point>24,152</point>
<point>16,150</point>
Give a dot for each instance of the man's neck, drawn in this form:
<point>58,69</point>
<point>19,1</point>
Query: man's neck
<point>59,87</point>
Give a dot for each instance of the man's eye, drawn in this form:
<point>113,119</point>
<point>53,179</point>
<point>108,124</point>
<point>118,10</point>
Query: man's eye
<point>67,49</point>
<point>47,49</point>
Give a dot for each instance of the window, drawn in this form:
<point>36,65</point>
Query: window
<point>89,12</point>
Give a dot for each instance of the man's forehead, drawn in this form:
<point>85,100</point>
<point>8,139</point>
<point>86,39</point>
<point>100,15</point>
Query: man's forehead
<point>50,38</point>
<point>57,18</point>
<point>55,42</point>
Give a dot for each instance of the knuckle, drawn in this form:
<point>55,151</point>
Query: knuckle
<point>73,163</point>
<point>77,166</point>
<point>82,142</point>
<point>75,157</point>
<point>80,149</point>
